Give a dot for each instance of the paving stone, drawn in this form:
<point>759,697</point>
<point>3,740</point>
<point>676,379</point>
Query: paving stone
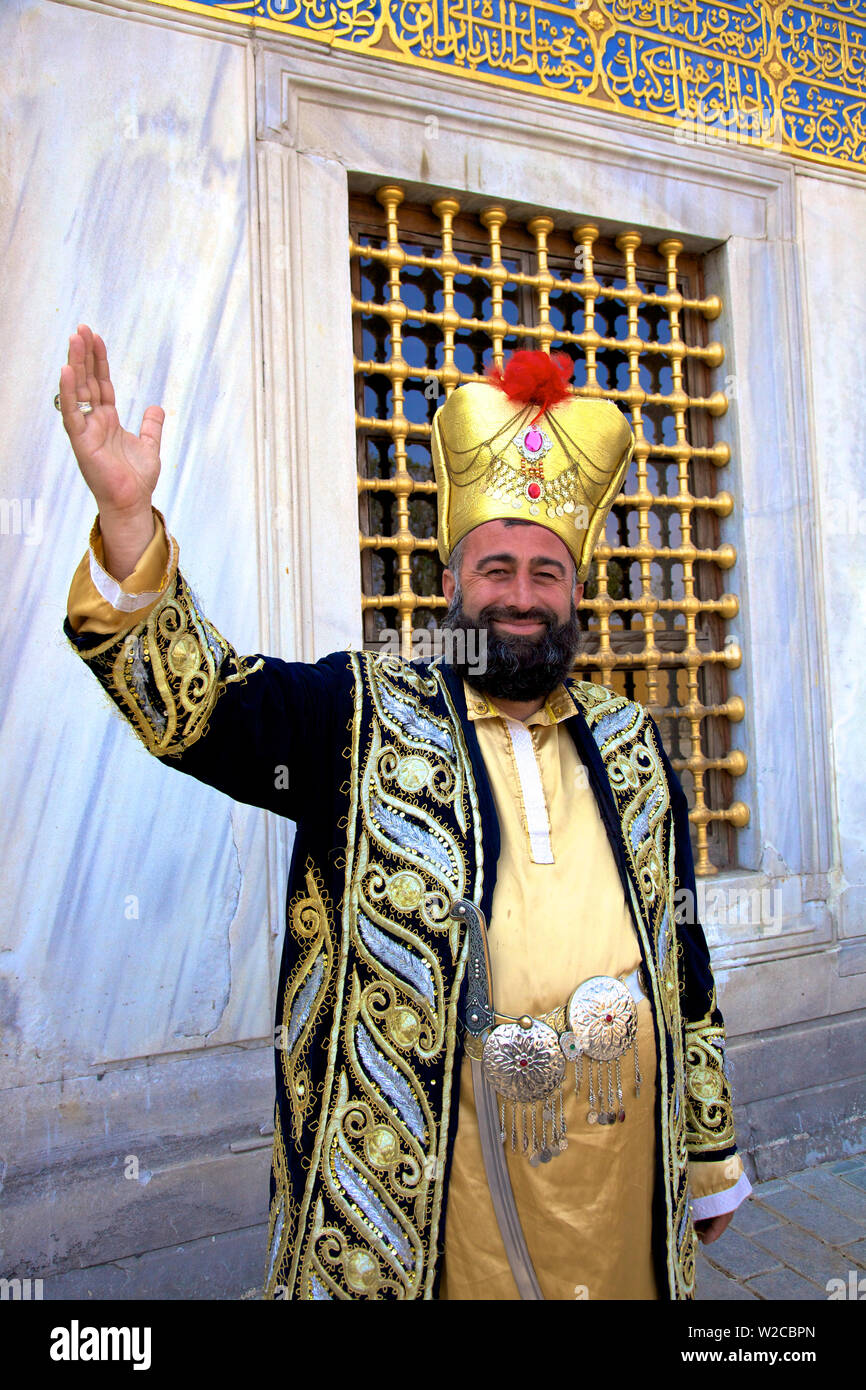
<point>846,1165</point>
<point>857,1253</point>
<point>751,1216</point>
<point>738,1256</point>
<point>833,1189</point>
<point>713,1286</point>
<point>766,1189</point>
<point>812,1258</point>
<point>815,1216</point>
<point>785,1283</point>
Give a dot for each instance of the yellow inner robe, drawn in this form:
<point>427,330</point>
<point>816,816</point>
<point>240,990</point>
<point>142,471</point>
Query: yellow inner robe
<point>586,1215</point>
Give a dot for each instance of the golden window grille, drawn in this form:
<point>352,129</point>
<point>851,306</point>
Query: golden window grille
<point>438,295</point>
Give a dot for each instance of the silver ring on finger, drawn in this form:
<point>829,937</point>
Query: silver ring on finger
<point>84,406</point>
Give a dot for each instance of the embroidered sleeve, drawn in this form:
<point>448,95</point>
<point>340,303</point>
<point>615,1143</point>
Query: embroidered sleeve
<point>166,674</point>
<point>262,730</point>
<point>709,1114</point>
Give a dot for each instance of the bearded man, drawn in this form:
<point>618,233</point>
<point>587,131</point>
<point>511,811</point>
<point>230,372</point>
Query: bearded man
<point>500,1061</point>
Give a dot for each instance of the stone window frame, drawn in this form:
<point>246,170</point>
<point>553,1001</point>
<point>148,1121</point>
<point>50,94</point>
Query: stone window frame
<point>329,123</point>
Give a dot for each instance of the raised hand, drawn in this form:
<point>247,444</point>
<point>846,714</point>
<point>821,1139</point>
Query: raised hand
<point>121,469</point>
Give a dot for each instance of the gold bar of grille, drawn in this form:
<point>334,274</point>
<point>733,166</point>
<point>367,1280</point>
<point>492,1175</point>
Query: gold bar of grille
<point>690,651</point>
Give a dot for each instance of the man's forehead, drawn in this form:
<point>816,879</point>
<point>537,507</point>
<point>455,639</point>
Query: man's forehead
<point>516,538</point>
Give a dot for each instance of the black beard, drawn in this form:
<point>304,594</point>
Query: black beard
<point>518,668</point>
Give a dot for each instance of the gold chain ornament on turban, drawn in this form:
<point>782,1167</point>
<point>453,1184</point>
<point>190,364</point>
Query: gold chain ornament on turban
<point>521,446</point>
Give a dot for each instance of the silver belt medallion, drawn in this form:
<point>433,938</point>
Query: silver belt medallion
<point>525,1063</point>
<point>525,1059</point>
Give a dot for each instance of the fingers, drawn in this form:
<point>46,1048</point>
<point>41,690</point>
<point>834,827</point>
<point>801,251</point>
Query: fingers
<point>151,425</point>
<point>90,376</point>
<point>77,363</point>
<point>73,420</point>
<point>103,377</point>
<point>85,378</point>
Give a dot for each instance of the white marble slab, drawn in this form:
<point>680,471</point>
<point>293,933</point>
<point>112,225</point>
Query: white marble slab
<point>135,905</point>
<point>834,263</point>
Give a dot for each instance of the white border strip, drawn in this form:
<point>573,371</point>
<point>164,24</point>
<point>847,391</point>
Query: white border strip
<point>537,821</point>
<point>720,1203</point>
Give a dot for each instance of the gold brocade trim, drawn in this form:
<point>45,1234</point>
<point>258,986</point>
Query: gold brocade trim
<point>307,988</point>
<point>709,1113</point>
<point>632,760</point>
<point>282,1222</point>
<point>167,673</point>
<point>371,1209</point>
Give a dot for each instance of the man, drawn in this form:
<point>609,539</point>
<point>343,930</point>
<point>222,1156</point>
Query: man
<point>482,887</point>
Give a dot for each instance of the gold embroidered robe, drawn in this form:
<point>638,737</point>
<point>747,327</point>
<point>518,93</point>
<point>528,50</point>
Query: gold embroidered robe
<point>395,819</point>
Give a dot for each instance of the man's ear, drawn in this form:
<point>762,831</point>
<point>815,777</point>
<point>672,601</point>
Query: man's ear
<point>449,585</point>
<point>578,593</point>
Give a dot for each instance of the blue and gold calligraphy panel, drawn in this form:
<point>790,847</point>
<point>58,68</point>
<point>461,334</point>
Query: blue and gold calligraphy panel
<point>786,76</point>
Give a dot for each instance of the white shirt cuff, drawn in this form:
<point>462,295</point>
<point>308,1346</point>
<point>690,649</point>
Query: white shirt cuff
<point>110,590</point>
<point>719,1203</point>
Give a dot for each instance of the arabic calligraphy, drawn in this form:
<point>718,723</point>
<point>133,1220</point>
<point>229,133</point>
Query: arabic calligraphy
<point>804,64</point>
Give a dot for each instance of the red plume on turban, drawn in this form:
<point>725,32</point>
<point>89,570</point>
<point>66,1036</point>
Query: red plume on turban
<point>534,378</point>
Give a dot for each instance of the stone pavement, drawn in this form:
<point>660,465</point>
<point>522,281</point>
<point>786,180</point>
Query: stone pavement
<point>792,1237</point>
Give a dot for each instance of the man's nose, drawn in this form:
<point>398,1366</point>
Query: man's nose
<point>521,592</point>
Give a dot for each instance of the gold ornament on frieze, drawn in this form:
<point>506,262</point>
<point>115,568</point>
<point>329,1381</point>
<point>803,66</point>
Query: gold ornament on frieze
<point>405,890</point>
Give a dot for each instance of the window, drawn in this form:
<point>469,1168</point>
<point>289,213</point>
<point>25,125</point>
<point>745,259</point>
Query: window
<point>438,293</point>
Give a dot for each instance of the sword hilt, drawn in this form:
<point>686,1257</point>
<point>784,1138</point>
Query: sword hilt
<point>478,1015</point>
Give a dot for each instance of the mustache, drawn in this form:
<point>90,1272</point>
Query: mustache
<point>519,666</point>
<point>495,612</point>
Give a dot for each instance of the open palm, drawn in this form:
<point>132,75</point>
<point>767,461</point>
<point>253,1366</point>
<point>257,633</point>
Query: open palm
<point>121,469</point>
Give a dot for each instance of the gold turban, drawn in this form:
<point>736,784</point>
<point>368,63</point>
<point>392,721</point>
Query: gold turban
<point>497,458</point>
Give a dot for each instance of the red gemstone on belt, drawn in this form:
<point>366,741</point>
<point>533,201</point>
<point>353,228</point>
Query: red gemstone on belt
<point>533,490</point>
<point>523,1062</point>
<point>608,1018</point>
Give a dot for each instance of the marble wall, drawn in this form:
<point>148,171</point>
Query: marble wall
<point>831,216</point>
<point>184,191</point>
<point>135,937</point>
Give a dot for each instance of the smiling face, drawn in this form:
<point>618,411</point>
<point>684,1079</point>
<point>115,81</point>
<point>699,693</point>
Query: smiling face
<point>513,581</point>
<point>521,573</point>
